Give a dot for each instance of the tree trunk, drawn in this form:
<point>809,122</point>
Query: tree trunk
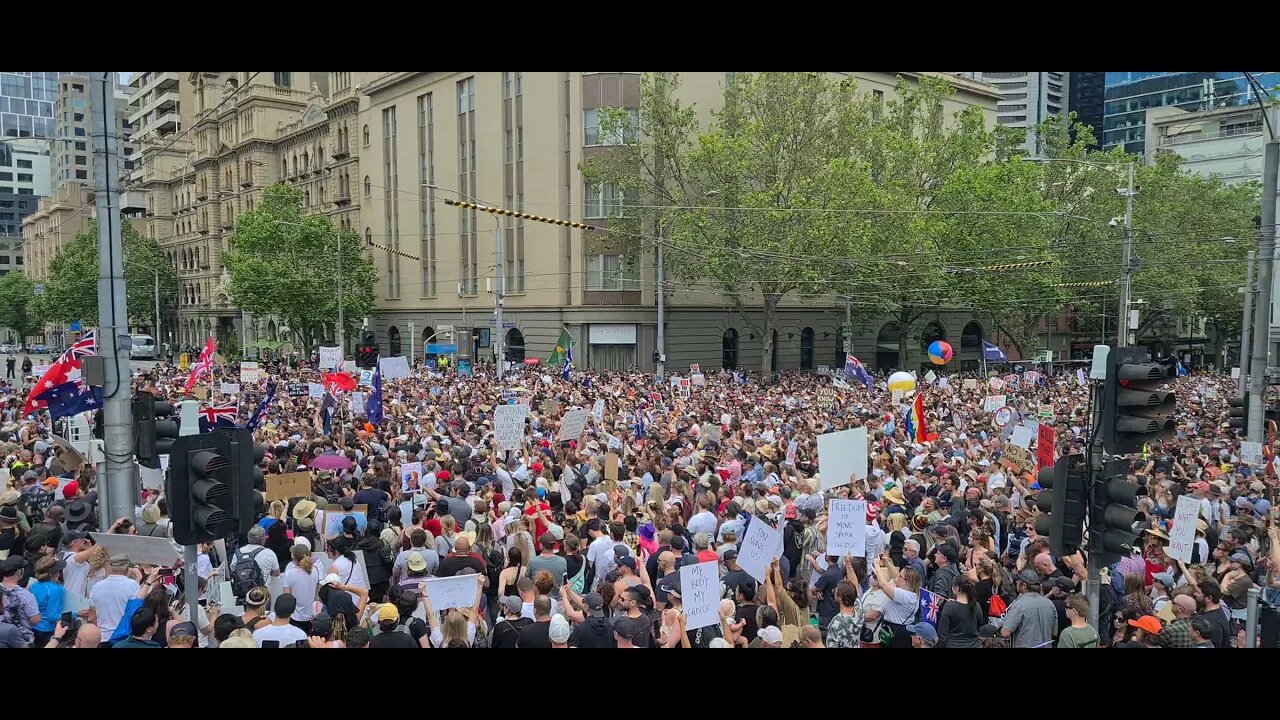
<point>771,301</point>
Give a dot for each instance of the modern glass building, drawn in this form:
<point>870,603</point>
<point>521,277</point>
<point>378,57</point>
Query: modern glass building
<point>26,103</point>
<point>1129,94</point>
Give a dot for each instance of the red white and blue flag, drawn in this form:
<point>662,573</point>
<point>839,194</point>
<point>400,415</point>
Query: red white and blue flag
<point>218,416</point>
<point>929,606</point>
<point>66,369</point>
<point>853,368</point>
<point>203,366</point>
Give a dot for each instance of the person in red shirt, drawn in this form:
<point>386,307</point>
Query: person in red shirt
<point>540,511</point>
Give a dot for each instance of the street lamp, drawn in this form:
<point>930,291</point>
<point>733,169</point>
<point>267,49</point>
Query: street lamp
<point>339,334</point>
<point>499,334</point>
<point>1128,192</point>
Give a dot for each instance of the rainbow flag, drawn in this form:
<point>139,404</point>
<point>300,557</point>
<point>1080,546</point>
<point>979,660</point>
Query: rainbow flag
<point>915,420</point>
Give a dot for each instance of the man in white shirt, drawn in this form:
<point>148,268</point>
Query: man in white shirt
<point>110,594</point>
<point>266,560</point>
<point>281,631</point>
<point>704,521</point>
<point>600,551</point>
<point>75,576</point>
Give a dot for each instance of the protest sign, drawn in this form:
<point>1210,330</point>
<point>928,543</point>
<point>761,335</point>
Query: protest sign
<point>315,390</point>
<point>841,454</point>
<point>550,407</point>
<point>698,379</point>
<point>1017,459</point>
<point>686,386</point>
<point>1022,436</point>
<point>1183,535</point>
<point>826,398</point>
<point>700,595</point>
<point>710,433</point>
<point>847,528</point>
<point>760,545</point>
<point>508,425</point>
<point>597,411</point>
<point>459,591</point>
<point>152,479</point>
<point>1046,412</point>
<point>330,357</point>
<point>824,370</point>
<point>356,403</point>
<point>969,384</point>
<point>227,388</point>
<point>993,403</point>
<point>792,447</point>
<point>1251,453</point>
<point>930,376</point>
<point>694,367</point>
<point>897,395</point>
<point>1045,450</point>
<point>249,372</point>
<point>1080,377</point>
<point>349,366</point>
<point>996,384</point>
<point>366,378</point>
<point>200,392</point>
<point>295,389</point>
<point>410,477</point>
<point>141,549</point>
<point>611,466</point>
<point>288,485</point>
<point>573,423</point>
<point>394,368</point>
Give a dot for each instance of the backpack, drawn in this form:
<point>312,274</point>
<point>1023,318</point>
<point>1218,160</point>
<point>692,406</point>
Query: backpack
<point>246,574</point>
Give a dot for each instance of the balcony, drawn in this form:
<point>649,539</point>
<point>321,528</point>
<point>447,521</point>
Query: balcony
<point>167,101</point>
<point>338,152</point>
<point>246,182</point>
<point>166,122</point>
<point>165,81</point>
<point>342,199</point>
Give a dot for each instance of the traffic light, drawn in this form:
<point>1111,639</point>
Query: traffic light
<point>1113,511</point>
<point>367,353</point>
<point>153,430</point>
<point>1134,411</point>
<point>1239,412</point>
<point>244,475</point>
<point>1063,502</point>
<point>198,486</point>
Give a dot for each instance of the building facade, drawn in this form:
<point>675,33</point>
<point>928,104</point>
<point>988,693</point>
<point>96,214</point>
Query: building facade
<point>72,146</point>
<point>1085,98</point>
<point>1027,98</point>
<point>516,140</point>
<point>1129,95</point>
<point>1227,142</point>
<point>26,103</point>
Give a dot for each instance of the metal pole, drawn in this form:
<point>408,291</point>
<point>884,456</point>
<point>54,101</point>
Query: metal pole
<point>661,365</point>
<point>113,315</point>
<point>1126,271</point>
<point>1245,321</point>
<point>244,334</point>
<point>1093,581</point>
<point>191,582</point>
<point>157,323</point>
<point>1258,364</point>
<point>340,334</point>
<point>499,272</point>
<point>1251,619</point>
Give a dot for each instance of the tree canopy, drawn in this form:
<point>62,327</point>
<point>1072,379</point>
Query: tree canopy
<point>17,304</point>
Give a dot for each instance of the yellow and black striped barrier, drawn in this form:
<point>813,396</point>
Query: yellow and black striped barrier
<point>1098,283</point>
<point>522,215</point>
<point>1000,268</point>
<point>393,251</point>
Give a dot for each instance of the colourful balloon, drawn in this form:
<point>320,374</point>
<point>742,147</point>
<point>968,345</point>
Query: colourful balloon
<point>903,381</point>
<point>940,352</point>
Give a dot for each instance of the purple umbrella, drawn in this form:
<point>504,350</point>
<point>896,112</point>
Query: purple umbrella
<point>331,461</point>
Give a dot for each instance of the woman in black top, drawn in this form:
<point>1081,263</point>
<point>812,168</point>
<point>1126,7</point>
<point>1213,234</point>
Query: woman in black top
<point>960,618</point>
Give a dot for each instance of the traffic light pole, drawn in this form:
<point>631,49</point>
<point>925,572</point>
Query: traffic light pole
<point>113,317</point>
<point>1093,581</point>
<point>1245,340</point>
<point>1262,308</point>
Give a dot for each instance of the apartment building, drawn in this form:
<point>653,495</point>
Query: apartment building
<point>72,126</point>
<point>1027,98</point>
<point>516,140</point>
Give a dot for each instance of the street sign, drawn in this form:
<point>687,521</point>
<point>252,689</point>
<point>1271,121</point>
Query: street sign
<point>38,289</point>
<point>505,325</point>
<point>444,328</point>
<point>441,348</point>
<point>74,326</point>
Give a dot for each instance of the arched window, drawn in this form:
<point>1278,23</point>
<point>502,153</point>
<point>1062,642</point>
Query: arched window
<point>306,162</point>
<point>368,186</point>
<point>887,346</point>
<point>368,236</point>
<point>393,340</point>
<point>932,331</point>
<point>806,349</point>
<point>366,136</point>
<point>971,338</point>
<point>514,346</point>
<point>729,350</point>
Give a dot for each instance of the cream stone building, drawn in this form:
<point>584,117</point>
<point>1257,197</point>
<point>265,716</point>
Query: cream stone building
<point>516,140</point>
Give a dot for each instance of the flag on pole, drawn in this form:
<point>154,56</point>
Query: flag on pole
<point>561,349</point>
<point>373,406</point>
<point>854,368</point>
<point>218,416</point>
<point>915,420</point>
<point>930,603</point>
<point>992,352</point>
<point>203,365</point>
<point>71,398</point>
<point>261,411</point>
<point>568,363</point>
<point>65,369</point>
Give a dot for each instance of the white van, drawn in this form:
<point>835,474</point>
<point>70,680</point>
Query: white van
<point>143,348</point>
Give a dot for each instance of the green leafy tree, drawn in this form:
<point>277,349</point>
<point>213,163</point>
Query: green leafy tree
<point>283,262</point>
<point>71,288</point>
<point>17,304</point>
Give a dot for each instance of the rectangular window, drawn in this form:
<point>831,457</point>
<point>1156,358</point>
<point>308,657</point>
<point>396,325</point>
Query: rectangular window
<point>80,146</point>
<point>80,132</point>
<point>594,136</point>
<point>506,85</point>
<point>519,83</point>
<point>605,200</point>
<point>510,146</point>
<point>427,207</point>
<point>78,117</point>
<point>25,177</point>
<point>877,106</point>
<point>82,175</point>
<point>25,191</point>
<point>466,95</point>
<point>6,176</point>
<point>611,272</point>
<point>81,160</point>
<point>391,198</point>
<point>24,163</point>
<point>283,79</point>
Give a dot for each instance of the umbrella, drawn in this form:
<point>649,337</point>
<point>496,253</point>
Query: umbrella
<point>331,461</point>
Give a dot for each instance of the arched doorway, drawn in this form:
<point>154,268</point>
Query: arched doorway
<point>806,349</point>
<point>729,350</point>
<point>393,341</point>
<point>887,346</point>
<point>970,350</point>
<point>514,348</point>
<point>773,362</point>
<point>271,330</point>
<point>932,331</point>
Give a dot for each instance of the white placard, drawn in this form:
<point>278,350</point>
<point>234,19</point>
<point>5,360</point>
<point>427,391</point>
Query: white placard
<point>1235,373</point>
<point>1022,437</point>
<point>969,384</point>
<point>356,400</point>
<point>152,479</point>
<point>1080,377</point>
<point>330,357</point>
<point>597,412</point>
<point>930,376</point>
<point>249,372</point>
<point>410,480</point>
<point>1251,453</point>
<point>897,395</point>
<point>38,371</point>
<point>1183,536</point>
<point>698,379</point>
<point>227,388</point>
<point>760,545</point>
<point>459,591</point>
<point>141,549</point>
<point>394,368</point>
<point>841,454</point>
<point>700,594</point>
<point>847,528</point>
<point>993,403</point>
<point>573,423</point>
<point>824,370</point>
<point>615,442</point>
<point>996,384</point>
<point>349,366</point>
<point>315,390</point>
<point>508,425</point>
<point>366,378</point>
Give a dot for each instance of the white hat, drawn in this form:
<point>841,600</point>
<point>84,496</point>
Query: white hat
<point>559,631</point>
<point>330,579</point>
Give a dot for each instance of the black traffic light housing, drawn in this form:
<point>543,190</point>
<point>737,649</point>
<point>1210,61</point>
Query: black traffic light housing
<point>244,475</point>
<point>198,487</point>
<point>153,430</point>
<point>1238,414</point>
<point>1063,502</point>
<point>1113,512</point>
<point>367,353</point>
<point>1135,411</point>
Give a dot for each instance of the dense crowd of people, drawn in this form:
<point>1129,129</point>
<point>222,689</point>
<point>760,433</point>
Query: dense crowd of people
<point>564,552</point>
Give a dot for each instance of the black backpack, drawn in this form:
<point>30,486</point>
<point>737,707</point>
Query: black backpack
<point>246,574</point>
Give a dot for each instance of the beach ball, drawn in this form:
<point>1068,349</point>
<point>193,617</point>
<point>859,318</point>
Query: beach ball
<point>940,352</point>
<point>903,381</point>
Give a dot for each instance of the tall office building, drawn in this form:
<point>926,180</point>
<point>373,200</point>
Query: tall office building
<point>1085,98</point>
<point>72,147</point>
<point>1130,94</point>
<point>26,103</point>
<point>1026,98</point>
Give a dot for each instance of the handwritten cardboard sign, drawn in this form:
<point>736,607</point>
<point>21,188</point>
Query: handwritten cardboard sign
<point>760,545</point>
<point>573,423</point>
<point>700,594</point>
<point>611,466</point>
<point>459,591</point>
<point>330,357</point>
<point>508,425</point>
<point>288,485</point>
<point>1183,536</point>
<point>141,549</point>
<point>847,528</point>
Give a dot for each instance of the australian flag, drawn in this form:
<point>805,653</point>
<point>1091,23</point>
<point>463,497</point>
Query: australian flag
<point>327,407</point>
<point>373,406</point>
<point>992,352</point>
<point>568,363</point>
<point>854,369</point>
<point>929,606</point>
<point>639,423</point>
<point>218,416</point>
<point>71,399</point>
<point>261,411</point>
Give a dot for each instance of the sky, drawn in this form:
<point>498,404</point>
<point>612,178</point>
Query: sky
<point>124,77</point>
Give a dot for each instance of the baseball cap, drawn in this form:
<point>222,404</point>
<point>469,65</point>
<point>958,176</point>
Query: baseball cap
<point>1242,558</point>
<point>1148,623</point>
<point>512,604</point>
<point>1029,576</point>
<point>559,630</point>
<point>593,601</point>
<point>1165,579</point>
<point>924,631</point>
<point>628,561</point>
<point>70,489</point>
<point>771,636</point>
<point>387,612</point>
<point>730,554</point>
